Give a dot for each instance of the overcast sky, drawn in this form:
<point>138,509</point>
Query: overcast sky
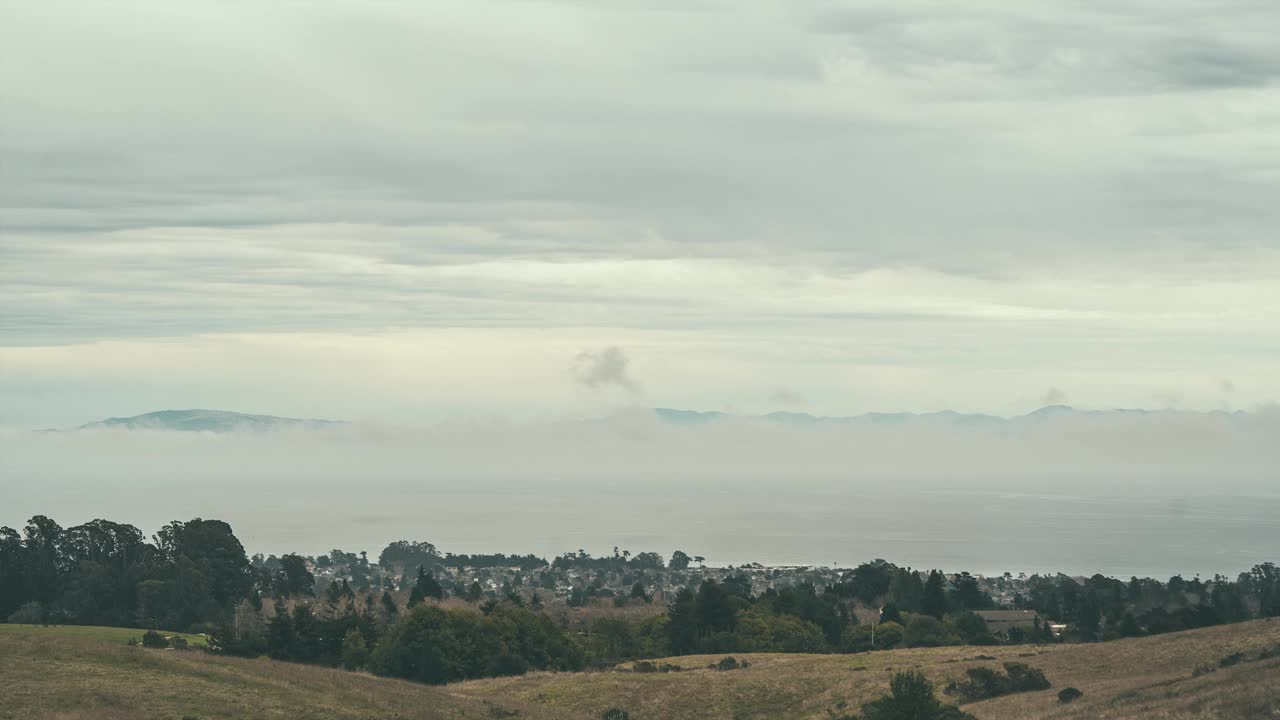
<point>414,211</point>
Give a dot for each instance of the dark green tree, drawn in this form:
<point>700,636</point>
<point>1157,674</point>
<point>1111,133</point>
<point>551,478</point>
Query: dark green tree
<point>45,560</point>
<point>869,582</point>
<point>426,586</point>
<point>13,565</point>
<point>934,602</point>
<point>1089,622</point>
<point>906,590</point>
<point>967,594</point>
<point>214,552</point>
<point>714,609</point>
<point>682,625</point>
<point>294,579</point>
<point>404,554</point>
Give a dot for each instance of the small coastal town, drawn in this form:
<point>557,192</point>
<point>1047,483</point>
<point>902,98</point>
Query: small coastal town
<point>571,586</point>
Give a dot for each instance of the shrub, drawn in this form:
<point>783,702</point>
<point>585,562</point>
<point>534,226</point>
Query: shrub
<point>615,714</point>
<point>179,643</point>
<point>153,639</point>
<point>983,683</point>
<point>1067,695</point>
<point>1024,678</point>
<point>911,698</point>
<point>1232,659</point>
<point>729,663</point>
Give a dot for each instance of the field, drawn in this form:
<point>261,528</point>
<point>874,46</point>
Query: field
<point>79,673</point>
<point>1148,678</point>
<point>91,632</point>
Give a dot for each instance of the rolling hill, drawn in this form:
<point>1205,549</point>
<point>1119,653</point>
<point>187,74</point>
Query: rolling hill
<point>53,673</point>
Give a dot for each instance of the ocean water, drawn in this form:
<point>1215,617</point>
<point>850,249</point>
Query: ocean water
<point>310,493</point>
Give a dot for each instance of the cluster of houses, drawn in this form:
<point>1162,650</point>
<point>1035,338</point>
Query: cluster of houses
<point>621,585</point>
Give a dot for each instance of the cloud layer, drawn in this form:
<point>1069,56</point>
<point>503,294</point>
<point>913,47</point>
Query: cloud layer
<point>876,205</point>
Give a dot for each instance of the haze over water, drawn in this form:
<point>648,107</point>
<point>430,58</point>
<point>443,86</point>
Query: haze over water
<point>1152,495</point>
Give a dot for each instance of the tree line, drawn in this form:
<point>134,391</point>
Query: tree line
<point>195,576</point>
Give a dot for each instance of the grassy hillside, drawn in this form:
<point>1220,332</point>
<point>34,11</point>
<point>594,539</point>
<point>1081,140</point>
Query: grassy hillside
<point>1147,677</point>
<point>67,673</point>
<point>72,673</point>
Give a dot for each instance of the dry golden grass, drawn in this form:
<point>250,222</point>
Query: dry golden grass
<point>47,677</point>
<point>1141,678</point>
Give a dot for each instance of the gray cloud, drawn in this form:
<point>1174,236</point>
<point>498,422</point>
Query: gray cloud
<point>1194,63</point>
<point>603,369</point>
<point>1054,396</point>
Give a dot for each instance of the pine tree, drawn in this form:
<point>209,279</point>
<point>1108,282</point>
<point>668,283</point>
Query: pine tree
<point>389,606</point>
<point>417,595</point>
<point>934,601</point>
<point>425,587</point>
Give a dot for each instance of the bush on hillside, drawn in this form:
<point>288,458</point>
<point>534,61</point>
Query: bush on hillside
<point>1232,659</point>
<point>911,698</point>
<point>1024,678</point>
<point>1070,694</point>
<point>729,663</point>
<point>154,640</point>
<point>615,714</point>
<point>983,682</point>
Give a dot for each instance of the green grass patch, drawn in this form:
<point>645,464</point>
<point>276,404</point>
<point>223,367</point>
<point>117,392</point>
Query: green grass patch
<point>94,632</point>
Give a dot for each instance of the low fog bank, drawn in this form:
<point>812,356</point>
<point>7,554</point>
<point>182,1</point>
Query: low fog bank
<point>1122,494</point>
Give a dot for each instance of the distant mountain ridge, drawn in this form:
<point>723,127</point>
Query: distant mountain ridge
<point>223,421</point>
<point>673,416</point>
<point>198,420</point>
